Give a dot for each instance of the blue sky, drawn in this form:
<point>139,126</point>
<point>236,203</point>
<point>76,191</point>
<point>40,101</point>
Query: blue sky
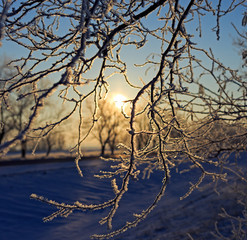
<point>223,49</point>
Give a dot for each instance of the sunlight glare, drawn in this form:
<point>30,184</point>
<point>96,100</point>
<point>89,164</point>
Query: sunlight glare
<point>119,100</point>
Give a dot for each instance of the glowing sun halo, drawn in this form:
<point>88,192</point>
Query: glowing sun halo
<point>119,100</point>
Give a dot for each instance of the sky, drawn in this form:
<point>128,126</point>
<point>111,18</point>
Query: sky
<point>223,49</point>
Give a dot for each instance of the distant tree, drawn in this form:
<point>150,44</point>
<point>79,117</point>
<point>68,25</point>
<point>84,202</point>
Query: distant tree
<point>5,72</point>
<point>14,111</point>
<point>55,140</point>
<point>48,139</point>
<point>119,130</point>
<point>3,124</point>
<point>19,113</point>
<point>85,45</point>
<point>110,126</point>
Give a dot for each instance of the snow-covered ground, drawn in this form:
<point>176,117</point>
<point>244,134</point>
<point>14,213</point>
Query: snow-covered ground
<point>21,217</point>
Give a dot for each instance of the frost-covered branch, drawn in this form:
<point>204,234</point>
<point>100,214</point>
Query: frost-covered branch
<point>188,109</point>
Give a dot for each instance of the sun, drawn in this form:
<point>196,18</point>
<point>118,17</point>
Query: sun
<point>119,100</point>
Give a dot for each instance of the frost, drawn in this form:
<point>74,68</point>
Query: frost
<point>114,186</point>
<point>187,113</point>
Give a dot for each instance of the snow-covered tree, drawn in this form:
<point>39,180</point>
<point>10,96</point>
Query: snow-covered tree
<point>84,44</point>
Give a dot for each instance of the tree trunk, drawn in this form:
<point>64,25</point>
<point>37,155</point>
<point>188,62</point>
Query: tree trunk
<point>2,126</point>
<point>48,146</point>
<point>23,148</point>
<point>48,150</point>
<point>2,134</point>
<point>102,150</point>
<point>112,147</point>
